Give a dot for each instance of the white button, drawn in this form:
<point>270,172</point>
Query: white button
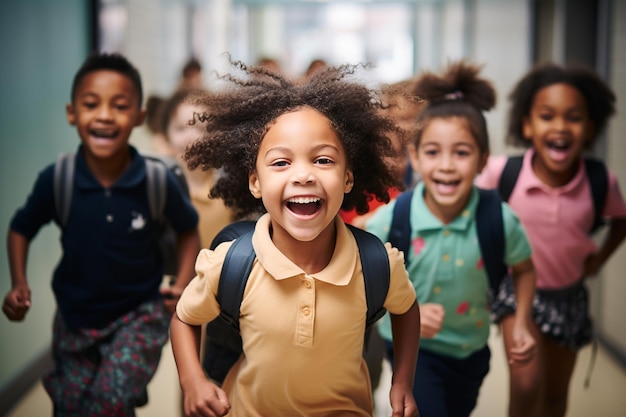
<point>109,218</point>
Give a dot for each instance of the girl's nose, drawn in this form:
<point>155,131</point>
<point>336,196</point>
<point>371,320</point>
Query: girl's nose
<point>447,162</point>
<point>303,176</point>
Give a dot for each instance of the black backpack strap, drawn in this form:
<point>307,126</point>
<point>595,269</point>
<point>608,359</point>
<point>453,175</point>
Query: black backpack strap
<point>376,274</point>
<point>400,230</point>
<point>509,175</point>
<point>63,185</point>
<point>156,184</point>
<point>490,230</point>
<point>232,232</point>
<point>234,277</point>
<point>599,183</point>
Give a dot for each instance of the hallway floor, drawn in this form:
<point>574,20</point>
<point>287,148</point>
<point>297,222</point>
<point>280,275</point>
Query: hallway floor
<point>606,397</point>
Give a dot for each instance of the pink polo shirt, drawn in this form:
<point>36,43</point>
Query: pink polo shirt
<point>557,220</point>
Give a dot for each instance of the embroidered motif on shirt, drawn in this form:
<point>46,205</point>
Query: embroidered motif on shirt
<point>137,222</point>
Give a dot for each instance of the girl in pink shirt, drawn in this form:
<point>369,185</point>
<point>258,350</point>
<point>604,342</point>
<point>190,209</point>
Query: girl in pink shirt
<point>557,112</point>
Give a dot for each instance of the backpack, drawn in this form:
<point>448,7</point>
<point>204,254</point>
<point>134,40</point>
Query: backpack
<point>596,173</point>
<point>156,177</point>
<point>223,340</point>
<point>489,227</point>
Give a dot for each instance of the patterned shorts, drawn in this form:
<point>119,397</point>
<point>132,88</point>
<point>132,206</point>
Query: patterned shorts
<point>561,314</point>
<point>105,372</point>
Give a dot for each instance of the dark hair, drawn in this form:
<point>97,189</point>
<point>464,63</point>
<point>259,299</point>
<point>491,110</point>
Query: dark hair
<point>154,105</point>
<point>114,62</point>
<point>240,116</point>
<point>457,92</point>
<point>193,65</point>
<point>170,105</point>
<point>599,97</point>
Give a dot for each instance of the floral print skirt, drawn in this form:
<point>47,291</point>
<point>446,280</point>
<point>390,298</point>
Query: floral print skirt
<point>105,372</point>
<point>561,314</point>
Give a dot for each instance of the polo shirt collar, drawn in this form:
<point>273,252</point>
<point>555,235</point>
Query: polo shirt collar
<point>528,180</point>
<point>135,173</point>
<point>338,272</point>
<point>423,220</point>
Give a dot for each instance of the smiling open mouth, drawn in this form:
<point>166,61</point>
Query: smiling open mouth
<point>103,133</point>
<point>304,205</point>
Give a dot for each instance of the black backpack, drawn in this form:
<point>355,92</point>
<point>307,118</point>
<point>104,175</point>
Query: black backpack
<point>156,177</point>
<point>596,173</point>
<point>489,226</point>
<point>222,339</point>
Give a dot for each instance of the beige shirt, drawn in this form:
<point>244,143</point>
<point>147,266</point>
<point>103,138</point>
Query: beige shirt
<point>302,334</point>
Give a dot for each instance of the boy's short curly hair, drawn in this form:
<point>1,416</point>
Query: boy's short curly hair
<point>113,62</point>
<point>599,97</point>
<point>239,117</point>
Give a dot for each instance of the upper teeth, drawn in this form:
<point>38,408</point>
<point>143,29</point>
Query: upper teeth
<point>304,200</point>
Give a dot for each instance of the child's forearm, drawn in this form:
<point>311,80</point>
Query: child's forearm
<point>614,238</point>
<point>524,280</point>
<point>406,337</point>
<point>185,341</point>
<point>17,247</point>
<point>188,248</point>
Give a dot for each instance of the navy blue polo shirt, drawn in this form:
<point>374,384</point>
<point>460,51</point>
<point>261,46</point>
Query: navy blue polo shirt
<point>111,260</point>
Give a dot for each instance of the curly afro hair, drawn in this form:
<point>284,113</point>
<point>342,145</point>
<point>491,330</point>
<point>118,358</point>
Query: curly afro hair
<point>240,115</point>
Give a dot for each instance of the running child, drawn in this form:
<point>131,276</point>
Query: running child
<point>112,318</point>
<point>445,263</point>
<point>557,112</point>
<point>298,152</point>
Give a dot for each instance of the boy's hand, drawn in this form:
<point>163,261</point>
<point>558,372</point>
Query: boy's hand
<point>16,303</point>
<point>170,297</point>
<point>402,402</point>
<point>205,399</point>
<point>431,316</point>
<point>524,346</point>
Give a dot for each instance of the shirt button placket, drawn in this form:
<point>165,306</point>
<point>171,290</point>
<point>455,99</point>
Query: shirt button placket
<point>306,313</point>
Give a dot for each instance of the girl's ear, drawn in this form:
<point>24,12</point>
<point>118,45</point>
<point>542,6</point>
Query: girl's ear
<point>349,181</point>
<point>254,185</point>
<point>69,113</point>
<point>590,132</point>
<point>527,129</point>
<point>483,161</point>
<point>413,159</point>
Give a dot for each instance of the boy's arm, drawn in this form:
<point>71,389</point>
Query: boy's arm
<point>406,337</point>
<point>188,248</point>
<point>17,301</point>
<point>524,344</point>
<point>614,238</point>
<point>200,395</point>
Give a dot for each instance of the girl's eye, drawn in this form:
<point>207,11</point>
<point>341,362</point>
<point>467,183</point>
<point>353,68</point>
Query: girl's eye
<point>324,161</point>
<point>574,118</point>
<point>430,152</point>
<point>462,152</point>
<point>122,106</point>
<point>90,105</point>
<point>279,163</point>
<point>546,117</point>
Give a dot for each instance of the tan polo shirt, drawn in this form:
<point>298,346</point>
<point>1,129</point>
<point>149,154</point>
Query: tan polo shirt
<point>302,334</point>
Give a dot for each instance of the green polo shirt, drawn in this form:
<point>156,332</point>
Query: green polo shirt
<point>446,267</point>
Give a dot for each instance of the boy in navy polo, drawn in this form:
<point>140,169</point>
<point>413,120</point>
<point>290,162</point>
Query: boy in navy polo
<point>112,318</point>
